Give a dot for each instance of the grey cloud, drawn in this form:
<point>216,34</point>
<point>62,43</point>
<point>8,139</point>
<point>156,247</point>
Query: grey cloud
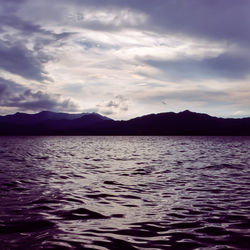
<point>22,98</point>
<point>107,112</point>
<point>214,19</point>
<point>16,57</point>
<point>227,66</point>
<point>90,44</point>
<point>63,35</point>
<point>226,20</point>
<point>10,6</point>
<point>19,60</point>
<point>113,19</point>
<point>29,100</point>
<point>195,95</point>
<point>112,104</point>
<point>25,27</point>
<point>118,104</point>
<point>205,98</point>
<point>211,19</point>
<point>8,87</point>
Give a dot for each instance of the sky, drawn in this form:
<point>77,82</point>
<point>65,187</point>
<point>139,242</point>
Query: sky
<point>125,58</point>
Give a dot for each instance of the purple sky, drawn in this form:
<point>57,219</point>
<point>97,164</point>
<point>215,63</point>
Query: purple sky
<point>125,58</point>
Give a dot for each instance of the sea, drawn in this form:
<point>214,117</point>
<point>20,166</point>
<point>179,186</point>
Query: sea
<point>124,192</point>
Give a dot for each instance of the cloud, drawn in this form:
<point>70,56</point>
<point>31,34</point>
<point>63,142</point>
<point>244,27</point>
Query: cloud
<point>118,104</point>
<point>191,95</point>
<point>224,20</point>
<point>17,59</point>
<point>226,65</point>
<point>30,100</point>
<point>25,46</point>
<point>22,98</point>
<point>98,50</point>
<point>222,102</point>
<point>106,19</point>
<point>10,6</point>
<point>216,20</point>
<point>24,27</point>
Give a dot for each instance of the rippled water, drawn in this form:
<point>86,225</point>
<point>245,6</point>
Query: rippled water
<point>125,192</point>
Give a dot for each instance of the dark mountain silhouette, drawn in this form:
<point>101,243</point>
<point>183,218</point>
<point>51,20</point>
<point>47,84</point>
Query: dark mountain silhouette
<point>47,122</point>
<point>22,118</point>
<point>183,123</point>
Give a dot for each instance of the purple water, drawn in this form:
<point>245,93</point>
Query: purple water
<point>124,192</point>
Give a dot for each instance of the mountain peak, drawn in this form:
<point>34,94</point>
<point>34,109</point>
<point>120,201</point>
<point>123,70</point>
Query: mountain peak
<point>46,112</point>
<point>186,112</point>
<point>182,123</point>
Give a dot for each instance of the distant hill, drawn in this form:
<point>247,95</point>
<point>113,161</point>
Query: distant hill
<point>183,123</point>
<point>22,118</point>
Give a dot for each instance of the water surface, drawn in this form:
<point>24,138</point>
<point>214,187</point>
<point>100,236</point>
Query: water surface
<point>125,192</point>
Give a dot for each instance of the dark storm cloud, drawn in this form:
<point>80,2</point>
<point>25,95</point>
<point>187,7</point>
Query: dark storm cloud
<point>9,18</point>
<point>22,98</point>
<point>19,60</point>
<point>16,58</point>
<point>27,28</point>
<point>8,87</point>
<point>39,100</point>
<point>227,66</point>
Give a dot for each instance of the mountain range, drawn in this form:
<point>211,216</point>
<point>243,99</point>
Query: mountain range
<point>183,123</point>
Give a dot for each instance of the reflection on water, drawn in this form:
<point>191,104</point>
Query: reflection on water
<point>125,192</point>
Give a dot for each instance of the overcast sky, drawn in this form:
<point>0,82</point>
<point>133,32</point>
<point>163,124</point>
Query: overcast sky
<point>125,58</point>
